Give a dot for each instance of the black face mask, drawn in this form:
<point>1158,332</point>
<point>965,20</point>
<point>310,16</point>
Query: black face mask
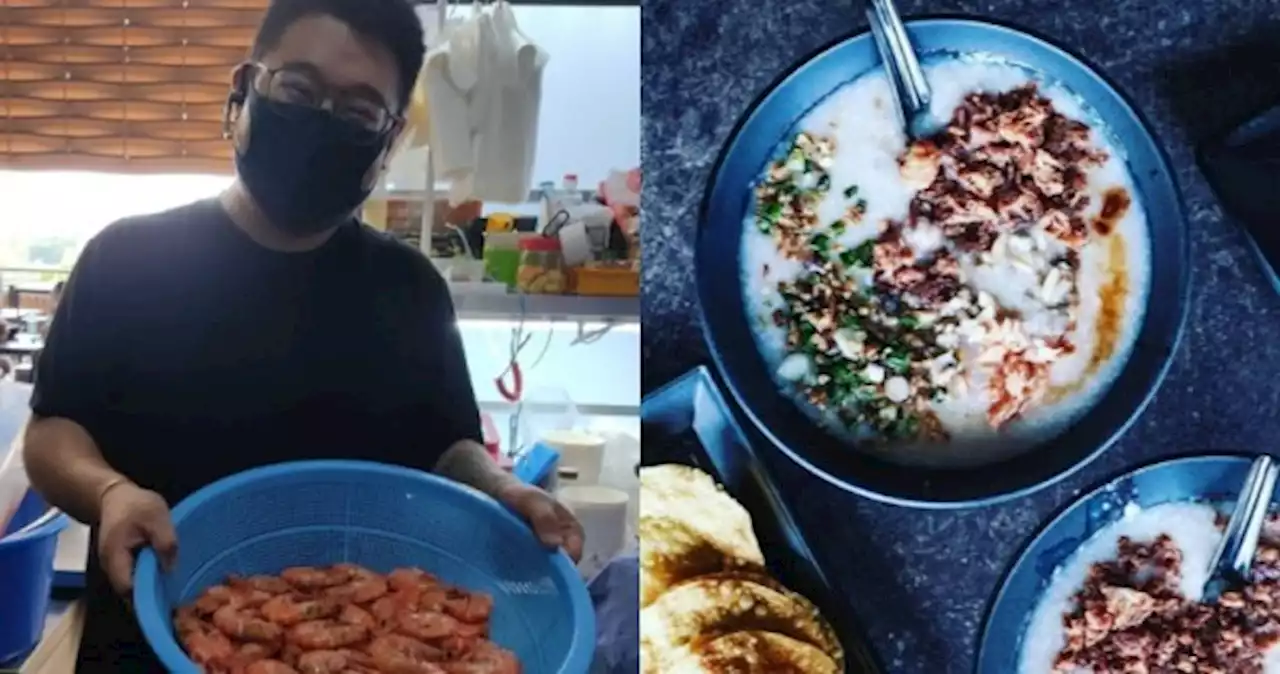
<point>305,167</point>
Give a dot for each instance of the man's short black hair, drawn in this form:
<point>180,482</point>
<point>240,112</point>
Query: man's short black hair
<point>391,23</point>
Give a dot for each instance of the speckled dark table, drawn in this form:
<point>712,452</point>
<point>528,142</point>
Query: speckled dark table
<point>920,580</point>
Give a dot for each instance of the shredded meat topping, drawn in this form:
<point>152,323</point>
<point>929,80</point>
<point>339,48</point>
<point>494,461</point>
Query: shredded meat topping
<point>1130,617</point>
<point>1005,165</point>
<point>1001,164</point>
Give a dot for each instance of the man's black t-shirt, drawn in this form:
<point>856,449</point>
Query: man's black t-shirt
<point>191,353</point>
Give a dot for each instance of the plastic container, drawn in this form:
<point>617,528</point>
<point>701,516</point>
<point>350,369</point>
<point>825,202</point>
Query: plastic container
<point>14,485</point>
<point>537,466</point>
<point>603,514</point>
<point>502,256</point>
<point>580,450</point>
<point>569,195</point>
<point>541,267</point>
<point>26,578</point>
<point>605,282</point>
<point>467,270</point>
<point>382,517</point>
<point>14,411</point>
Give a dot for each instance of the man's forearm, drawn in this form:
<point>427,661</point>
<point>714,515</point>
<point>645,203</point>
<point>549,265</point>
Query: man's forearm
<point>66,467</point>
<point>466,461</point>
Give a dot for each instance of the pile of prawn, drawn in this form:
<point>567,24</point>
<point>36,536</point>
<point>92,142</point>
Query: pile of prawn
<point>344,619</point>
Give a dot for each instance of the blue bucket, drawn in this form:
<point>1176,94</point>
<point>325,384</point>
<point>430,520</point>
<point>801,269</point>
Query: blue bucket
<point>26,578</point>
<point>319,513</point>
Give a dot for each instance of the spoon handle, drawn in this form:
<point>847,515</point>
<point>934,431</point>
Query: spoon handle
<point>899,56</point>
<point>897,85</point>
<point>1234,556</point>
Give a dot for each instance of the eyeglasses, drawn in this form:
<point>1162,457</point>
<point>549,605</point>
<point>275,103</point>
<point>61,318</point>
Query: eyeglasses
<point>298,86</point>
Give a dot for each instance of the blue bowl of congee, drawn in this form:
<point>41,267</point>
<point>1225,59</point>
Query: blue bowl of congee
<point>956,319</point>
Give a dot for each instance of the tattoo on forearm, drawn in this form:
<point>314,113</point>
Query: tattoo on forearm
<point>467,462</point>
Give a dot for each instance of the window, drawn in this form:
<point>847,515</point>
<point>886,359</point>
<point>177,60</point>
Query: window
<point>48,216</point>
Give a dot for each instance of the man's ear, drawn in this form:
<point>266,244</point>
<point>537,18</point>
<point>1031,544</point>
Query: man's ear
<point>234,106</point>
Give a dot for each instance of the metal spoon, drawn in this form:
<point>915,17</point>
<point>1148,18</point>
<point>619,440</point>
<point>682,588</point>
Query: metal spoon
<point>906,77</point>
<point>1232,561</point>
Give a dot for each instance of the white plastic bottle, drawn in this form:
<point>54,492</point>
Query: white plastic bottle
<point>569,193</point>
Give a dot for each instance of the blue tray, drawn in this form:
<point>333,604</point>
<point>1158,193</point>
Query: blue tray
<point>694,403</point>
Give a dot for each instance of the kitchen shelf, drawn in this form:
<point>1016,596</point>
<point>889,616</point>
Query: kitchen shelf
<point>442,192</point>
<point>588,410</point>
<point>573,308</point>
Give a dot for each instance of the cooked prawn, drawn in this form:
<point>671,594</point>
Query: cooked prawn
<point>398,654</point>
<point>470,607</point>
<point>186,620</point>
<point>485,658</point>
<point>314,578</point>
<point>426,625</point>
<point>240,624</point>
<point>360,590</point>
<point>467,635</point>
<point>399,601</point>
<point>268,584</point>
<point>290,653</point>
<point>326,635</point>
<point>406,578</point>
<point>457,646</point>
<point>354,570</point>
<point>208,646</point>
<point>248,597</point>
<point>354,615</point>
<point>473,630</point>
<point>213,599</point>
<point>323,662</point>
<point>433,597</point>
<point>249,654</point>
<point>287,610</point>
<point>270,667</point>
<point>344,619</point>
<point>220,596</point>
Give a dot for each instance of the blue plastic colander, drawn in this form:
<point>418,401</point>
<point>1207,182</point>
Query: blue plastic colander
<point>382,517</point>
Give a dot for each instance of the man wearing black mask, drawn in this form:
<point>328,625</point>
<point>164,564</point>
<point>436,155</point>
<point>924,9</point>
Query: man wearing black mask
<point>265,325</point>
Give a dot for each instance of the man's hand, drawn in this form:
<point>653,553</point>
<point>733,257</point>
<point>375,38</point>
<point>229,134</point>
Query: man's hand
<point>467,462</point>
<point>552,522</point>
<point>133,517</point>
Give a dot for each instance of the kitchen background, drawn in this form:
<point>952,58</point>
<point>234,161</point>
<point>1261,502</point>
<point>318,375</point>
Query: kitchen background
<point>588,127</point>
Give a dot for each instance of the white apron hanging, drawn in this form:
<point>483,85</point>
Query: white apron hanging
<point>506,153</point>
<point>450,75</point>
<point>484,89</point>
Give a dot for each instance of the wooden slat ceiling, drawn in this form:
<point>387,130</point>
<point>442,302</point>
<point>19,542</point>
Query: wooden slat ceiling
<point>119,85</point>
